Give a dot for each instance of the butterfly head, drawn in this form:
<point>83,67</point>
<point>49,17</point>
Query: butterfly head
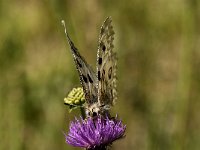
<point>95,110</point>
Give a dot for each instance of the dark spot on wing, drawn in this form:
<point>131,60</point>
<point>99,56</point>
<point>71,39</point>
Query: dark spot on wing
<point>79,64</point>
<point>103,47</point>
<point>90,80</point>
<point>100,61</point>
<point>99,75</point>
<point>103,75</point>
<point>84,79</point>
<point>110,73</point>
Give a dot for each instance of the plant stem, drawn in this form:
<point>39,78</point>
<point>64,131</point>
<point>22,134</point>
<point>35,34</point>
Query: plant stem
<point>82,112</point>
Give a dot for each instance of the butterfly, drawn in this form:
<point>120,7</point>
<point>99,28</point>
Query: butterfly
<point>99,86</point>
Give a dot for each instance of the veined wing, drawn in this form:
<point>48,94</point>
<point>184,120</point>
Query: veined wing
<point>106,65</point>
<point>87,75</point>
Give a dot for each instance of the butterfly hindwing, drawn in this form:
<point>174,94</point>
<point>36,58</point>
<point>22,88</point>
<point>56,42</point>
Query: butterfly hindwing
<point>106,65</point>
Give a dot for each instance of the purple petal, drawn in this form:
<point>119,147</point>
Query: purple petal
<point>98,132</point>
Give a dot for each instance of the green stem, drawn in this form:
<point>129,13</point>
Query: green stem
<point>82,112</point>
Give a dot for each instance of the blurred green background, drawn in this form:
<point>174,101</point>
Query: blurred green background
<point>158,46</point>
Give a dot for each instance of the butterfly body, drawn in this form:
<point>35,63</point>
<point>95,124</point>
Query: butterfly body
<point>100,87</point>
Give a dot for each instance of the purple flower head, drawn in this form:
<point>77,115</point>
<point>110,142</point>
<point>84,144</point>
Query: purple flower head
<point>95,133</point>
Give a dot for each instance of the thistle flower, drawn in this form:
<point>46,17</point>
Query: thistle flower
<point>95,134</point>
<point>75,98</point>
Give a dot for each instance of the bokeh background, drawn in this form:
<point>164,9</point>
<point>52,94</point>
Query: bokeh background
<point>158,46</point>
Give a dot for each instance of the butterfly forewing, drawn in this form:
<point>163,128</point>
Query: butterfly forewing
<point>87,76</point>
<point>106,65</point>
